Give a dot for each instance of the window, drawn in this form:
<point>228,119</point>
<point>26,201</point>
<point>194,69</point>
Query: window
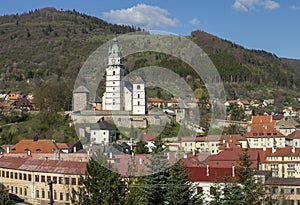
<point>138,102</point>
<point>3,174</point>
<point>73,181</point>
<point>43,193</point>
<point>138,96</point>
<point>67,179</point>
<point>37,178</point>
<point>67,196</point>
<point>29,177</point>
<point>25,192</point>
<point>55,195</point>
<point>48,178</point>
<point>60,181</point>
<point>16,190</point>
<point>298,191</point>
<point>54,180</point>
<point>114,72</point>
<point>12,189</point>
<point>61,196</point>
<point>79,182</point>
<point>21,191</point>
<point>20,176</point>
<point>138,87</point>
<point>25,177</point>
<point>37,194</point>
<point>43,179</point>
<point>16,175</point>
<point>11,175</point>
<point>7,174</point>
<point>199,190</point>
<point>48,196</point>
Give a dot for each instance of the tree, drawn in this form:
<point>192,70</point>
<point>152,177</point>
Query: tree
<point>135,194</point>
<point>156,181</point>
<point>180,189</point>
<point>216,193</point>
<point>232,192</point>
<point>101,185</point>
<point>141,148</point>
<point>252,190</point>
<point>4,196</point>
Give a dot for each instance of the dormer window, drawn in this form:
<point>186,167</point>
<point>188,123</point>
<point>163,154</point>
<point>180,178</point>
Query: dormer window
<point>26,149</point>
<point>38,149</point>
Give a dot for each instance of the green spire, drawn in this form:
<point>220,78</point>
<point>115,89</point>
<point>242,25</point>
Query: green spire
<point>115,51</point>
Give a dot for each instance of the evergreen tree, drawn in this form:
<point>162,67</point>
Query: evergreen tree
<point>135,194</point>
<point>156,181</point>
<point>216,194</point>
<point>180,189</point>
<point>252,190</point>
<point>101,185</point>
<point>232,193</point>
<point>4,197</point>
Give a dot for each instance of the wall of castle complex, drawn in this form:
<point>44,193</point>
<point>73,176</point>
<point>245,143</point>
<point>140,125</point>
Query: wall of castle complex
<point>121,119</point>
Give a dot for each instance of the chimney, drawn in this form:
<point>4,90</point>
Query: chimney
<point>185,155</point>
<point>227,145</point>
<point>7,149</point>
<point>273,150</point>
<point>233,170</point>
<point>110,155</point>
<point>293,149</point>
<point>141,160</point>
<point>74,149</point>
<point>264,148</point>
<point>28,153</point>
<point>194,152</point>
<point>35,138</point>
<point>207,170</point>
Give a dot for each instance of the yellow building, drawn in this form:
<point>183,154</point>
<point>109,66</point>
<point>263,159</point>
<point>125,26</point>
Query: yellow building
<point>28,178</point>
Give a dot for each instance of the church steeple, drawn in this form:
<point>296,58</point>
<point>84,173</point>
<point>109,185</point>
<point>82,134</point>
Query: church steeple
<point>115,54</point>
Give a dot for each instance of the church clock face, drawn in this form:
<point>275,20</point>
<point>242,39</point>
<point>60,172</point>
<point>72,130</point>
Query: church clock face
<point>113,60</point>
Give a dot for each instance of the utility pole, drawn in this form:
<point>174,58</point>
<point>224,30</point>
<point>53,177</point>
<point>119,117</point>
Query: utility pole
<point>50,183</point>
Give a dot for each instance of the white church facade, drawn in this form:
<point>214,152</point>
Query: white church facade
<point>122,95</point>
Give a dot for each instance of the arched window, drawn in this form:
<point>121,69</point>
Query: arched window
<point>138,87</point>
<point>114,72</point>
<point>138,102</point>
<point>138,95</point>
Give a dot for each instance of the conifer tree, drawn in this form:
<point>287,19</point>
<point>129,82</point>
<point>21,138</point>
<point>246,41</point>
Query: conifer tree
<point>156,181</point>
<point>135,183</point>
<point>216,193</point>
<point>232,192</point>
<point>252,190</point>
<point>180,189</point>
<point>101,185</point>
<point>4,197</point>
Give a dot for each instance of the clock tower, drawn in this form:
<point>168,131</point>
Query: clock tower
<point>114,75</point>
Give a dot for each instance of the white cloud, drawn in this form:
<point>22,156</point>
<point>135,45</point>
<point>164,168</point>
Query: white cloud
<point>142,15</point>
<point>295,7</point>
<point>246,5</point>
<point>194,22</point>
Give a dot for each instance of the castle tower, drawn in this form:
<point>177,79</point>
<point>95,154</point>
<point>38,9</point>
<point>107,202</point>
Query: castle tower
<point>114,75</point>
<point>80,98</point>
<point>138,97</point>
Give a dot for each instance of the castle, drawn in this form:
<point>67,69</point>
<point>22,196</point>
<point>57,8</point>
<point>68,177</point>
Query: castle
<point>119,95</point>
<point>122,95</point>
<point>124,101</point>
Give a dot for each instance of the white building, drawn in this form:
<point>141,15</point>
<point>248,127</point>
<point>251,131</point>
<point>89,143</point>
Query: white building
<point>122,95</point>
<point>103,133</point>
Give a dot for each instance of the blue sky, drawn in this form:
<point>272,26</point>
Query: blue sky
<point>271,25</point>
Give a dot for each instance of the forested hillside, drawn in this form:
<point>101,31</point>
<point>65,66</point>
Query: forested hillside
<point>45,48</point>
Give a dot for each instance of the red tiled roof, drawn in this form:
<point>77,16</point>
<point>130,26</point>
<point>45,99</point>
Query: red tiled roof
<point>263,130</point>
<point>262,120</point>
<point>47,166</point>
<point>63,145</point>
<point>39,146</point>
<point>295,135</point>
<point>155,100</point>
<point>148,137</point>
<point>210,174</point>
<point>280,152</point>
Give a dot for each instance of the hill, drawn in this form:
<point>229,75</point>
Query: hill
<point>41,48</point>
